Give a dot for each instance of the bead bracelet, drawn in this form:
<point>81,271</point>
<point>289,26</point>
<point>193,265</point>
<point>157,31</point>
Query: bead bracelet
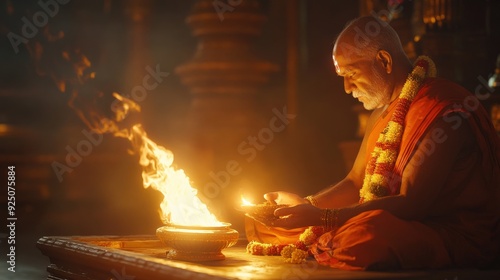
<point>329,218</point>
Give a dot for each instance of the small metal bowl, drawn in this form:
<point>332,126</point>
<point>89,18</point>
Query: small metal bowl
<point>263,210</point>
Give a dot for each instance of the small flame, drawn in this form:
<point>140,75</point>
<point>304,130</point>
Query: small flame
<point>245,202</point>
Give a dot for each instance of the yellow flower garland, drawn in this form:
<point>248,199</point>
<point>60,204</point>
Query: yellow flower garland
<point>383,158</point>
<point>292,253</point>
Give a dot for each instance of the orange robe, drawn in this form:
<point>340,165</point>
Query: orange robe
<point>462,227</point>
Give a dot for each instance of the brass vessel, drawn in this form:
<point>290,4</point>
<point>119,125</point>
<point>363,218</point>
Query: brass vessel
<point>197,243</point>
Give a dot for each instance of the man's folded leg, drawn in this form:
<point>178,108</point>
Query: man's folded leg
<point>377,240</point>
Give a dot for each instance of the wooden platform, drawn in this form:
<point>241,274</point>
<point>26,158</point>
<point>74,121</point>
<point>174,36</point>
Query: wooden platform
<point>144,257</point>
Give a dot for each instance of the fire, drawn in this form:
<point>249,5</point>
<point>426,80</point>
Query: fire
<point>180,204</point>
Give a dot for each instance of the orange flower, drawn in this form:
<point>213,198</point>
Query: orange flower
<point>383,158</point>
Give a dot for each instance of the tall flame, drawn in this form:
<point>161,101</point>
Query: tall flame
<point>180,204</point>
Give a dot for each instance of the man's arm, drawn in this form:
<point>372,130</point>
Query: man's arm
<point>346,192</point>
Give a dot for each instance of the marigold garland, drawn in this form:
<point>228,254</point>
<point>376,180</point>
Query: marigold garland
<point>293,253</point>
<point>379,170</point>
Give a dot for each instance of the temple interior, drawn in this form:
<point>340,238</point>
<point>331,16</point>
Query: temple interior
<point>243,94</point>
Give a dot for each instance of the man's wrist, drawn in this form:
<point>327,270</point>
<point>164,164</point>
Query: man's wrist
<point>330,218</point>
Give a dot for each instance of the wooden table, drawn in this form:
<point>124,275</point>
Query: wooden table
<point>144,257</point>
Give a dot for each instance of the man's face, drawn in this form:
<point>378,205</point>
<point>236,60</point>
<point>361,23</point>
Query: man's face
<point>364,80</point>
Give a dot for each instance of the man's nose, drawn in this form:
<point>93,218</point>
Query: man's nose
<point>348,86</point>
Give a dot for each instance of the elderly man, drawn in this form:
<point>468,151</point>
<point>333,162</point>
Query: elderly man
<point>424,188</point>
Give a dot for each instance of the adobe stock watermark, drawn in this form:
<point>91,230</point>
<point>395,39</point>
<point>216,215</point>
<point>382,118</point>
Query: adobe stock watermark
<point>249,148</point>
<point>438,135</point>
<point>92,139</point>
<point>223,6</point>
<point>30,28</point>
<point>140,92</point>
<point>363,37</point>
<point>121,276</point>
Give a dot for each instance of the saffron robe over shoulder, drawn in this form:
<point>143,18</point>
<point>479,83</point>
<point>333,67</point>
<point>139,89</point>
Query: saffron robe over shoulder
<point>466,213</point>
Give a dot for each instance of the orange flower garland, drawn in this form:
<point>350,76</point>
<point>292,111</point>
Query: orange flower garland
<point>379,170</point>
<point>293,253</point>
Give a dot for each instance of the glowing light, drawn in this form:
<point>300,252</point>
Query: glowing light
<point>4,128</point>
<point>245,202</point>
<point>337,67</point>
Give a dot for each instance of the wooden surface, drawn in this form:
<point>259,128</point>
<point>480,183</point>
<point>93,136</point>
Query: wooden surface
<point>144,257</point>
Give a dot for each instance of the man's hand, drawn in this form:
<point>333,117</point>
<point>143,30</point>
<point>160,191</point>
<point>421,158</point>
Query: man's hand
<point>284,198</point>
<point>297,216</point>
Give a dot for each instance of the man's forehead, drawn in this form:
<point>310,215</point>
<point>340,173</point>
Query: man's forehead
<point>343,64</point>
<point>346,53</point>
<point>336,63</point>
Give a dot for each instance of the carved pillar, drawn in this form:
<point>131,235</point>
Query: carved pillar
<point>223,77</point>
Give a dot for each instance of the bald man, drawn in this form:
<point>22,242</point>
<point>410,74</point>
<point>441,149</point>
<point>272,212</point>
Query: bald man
<point>424,189</point>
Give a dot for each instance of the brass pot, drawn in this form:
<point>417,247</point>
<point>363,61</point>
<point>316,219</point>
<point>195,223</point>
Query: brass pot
<point>197,243</point>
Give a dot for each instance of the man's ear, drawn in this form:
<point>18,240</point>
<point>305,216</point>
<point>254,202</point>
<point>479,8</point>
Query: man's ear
<point>385,60</point>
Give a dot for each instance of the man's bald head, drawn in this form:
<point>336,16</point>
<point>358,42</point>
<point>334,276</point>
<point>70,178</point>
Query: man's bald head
<point>365,36</point>
<point>369,56</point>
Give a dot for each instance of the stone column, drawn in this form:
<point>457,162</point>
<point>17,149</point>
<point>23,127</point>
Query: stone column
<point>223,77</point>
